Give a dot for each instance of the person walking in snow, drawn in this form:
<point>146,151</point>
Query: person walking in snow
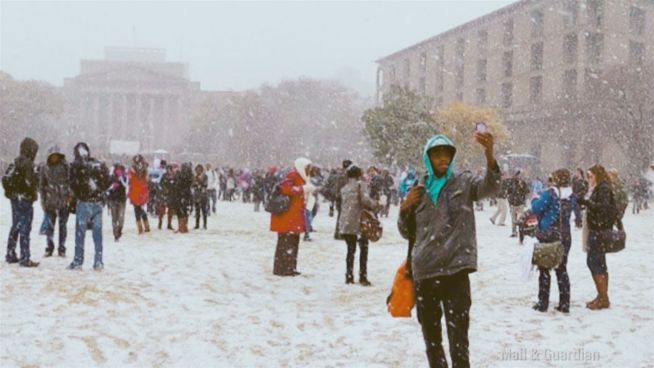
<point>601,215</point>
<point>21,185</point>
<point>212,187</point>
<point>168,190</point>
<point>200,197</point>
<point>553,209</point>
<point>139,193</point>
<point>290,224</point>
<point>517,191</point>
<point>89,179</point>
<point>499,216</point>
<point>183,196</point>
<point>436,219</point>
<point>117,198</point>
<point>354,199</point>
<point>54,187</point>
<point>580,188</point>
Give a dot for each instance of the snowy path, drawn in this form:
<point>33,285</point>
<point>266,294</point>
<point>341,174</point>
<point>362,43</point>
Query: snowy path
<point>208,299</point>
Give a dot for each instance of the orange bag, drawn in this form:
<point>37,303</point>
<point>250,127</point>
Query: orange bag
<point>401,299</point>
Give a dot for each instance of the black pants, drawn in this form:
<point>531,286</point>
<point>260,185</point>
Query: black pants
<point>351,241</point>
<point>201,208</point>
<point>140,214</point>
<point>288,245</point>
<point>451,294</point>
<point>52,216</point>
<point>561,276</point>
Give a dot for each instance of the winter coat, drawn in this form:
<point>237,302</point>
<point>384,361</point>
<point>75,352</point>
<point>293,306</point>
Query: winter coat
<point>118,186</point>
<point>139,192</point>
<point>168,189</point>
<point>579,187</point>
<point>445,235</point>
<point>601,209</point>
<point>200,188</point>
<point>89,178</point>
<point>26,179</point>
<point>517,190</point>
<point>376,187</point>
<point>546,208</point>
<point>54,183</point>
<point>351,206</point>
<point>183,182</point>
<point>291,221</point>
<point>212,180</point>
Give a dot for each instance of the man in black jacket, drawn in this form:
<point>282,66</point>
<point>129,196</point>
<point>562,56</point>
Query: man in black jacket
<point>517,190</point>
<point>55,193</point>
<point>89,180</point>
<point>24,184</point>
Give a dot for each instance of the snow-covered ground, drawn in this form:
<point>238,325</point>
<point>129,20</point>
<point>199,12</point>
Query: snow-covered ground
<point>208,299</point>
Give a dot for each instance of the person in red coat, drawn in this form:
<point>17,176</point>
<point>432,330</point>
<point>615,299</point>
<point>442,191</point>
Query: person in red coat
<point>139,195</point>
<point>290,224</point>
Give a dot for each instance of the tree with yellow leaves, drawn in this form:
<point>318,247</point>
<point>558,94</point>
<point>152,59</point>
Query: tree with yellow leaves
<point>457,121</point>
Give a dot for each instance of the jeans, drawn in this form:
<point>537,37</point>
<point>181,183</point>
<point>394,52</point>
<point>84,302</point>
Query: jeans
<point>213,198</point>
<point>88,213</point>
<point>452,295</point>
<point>22,213</point>
<point>51,216</point>
<point>308,219</point>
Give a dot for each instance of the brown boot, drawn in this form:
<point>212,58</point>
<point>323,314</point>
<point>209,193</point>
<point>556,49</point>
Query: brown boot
<point>183,225</point>
<point>139,226</point>
<point>595,278</point>
<point>603,290</point>
<point>146,225</point>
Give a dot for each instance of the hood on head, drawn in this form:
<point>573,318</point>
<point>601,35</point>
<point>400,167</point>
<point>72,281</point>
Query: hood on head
<point>53,152</point>
<point>82,151</point>
<point>439,140</point>
<point>301,166</point>
<point>29,148</point>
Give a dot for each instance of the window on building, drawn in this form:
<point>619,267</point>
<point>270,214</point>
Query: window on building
<point>507,95</point>
<point>637,20</point>
<point>570,44</point>
<point>595,10</point>
<point>423,62</point>
<point>507,38</point>
<point>636,53</point>
<point>537,23</point>
<point>481,96</point>
<point>407,69</point>
<point>570,84</point>
<point>536,89</point>
<point>481,70</point>
<point>594,47</point>
<point>537,56</point>
<point>482,41</point>
<point>570,14</point>
<point>507,63</point>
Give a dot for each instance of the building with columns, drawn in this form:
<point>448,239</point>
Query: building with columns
<point>133,94</point>
<point>525,58</point>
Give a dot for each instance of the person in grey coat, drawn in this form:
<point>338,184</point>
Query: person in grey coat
<point>437,218</point>
<point>54,186</point>
<point>354,198</point>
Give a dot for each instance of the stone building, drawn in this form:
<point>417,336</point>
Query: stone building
<point>525,58</point>
<point>133,94</point>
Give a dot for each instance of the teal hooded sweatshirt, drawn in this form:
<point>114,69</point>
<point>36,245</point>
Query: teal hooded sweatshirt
<point>434,184</point>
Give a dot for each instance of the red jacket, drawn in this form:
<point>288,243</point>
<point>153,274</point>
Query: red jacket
<point>138,189</point>
<point>291,221</point>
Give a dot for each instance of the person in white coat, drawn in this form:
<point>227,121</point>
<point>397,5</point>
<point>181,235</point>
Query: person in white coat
<point>212,187</point>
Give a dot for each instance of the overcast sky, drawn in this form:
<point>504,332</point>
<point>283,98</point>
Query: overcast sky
<point>228,45</point>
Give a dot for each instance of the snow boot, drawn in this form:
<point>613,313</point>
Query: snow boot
<point>11,257</point>
<point>602,301</point>
<point>349,278</point>
<point>139,226</point>
<point>48,252</point>
<point>146,225</point>
<point>29,264</point>
<point>62,251</point>
<point>363,280</point>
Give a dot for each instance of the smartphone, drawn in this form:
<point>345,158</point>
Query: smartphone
<point>480,127</point>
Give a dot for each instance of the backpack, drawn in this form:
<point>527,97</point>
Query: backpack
<point>10,181</point>
<point>278,202</point>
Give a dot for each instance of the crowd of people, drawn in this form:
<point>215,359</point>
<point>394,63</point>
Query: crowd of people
<point>436,215</point>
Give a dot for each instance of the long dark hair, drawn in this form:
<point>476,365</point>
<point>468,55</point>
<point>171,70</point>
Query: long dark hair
<point>600,174</point>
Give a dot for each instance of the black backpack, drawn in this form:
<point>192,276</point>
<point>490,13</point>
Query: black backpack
<point>10,181</point>
<point>278,202</point>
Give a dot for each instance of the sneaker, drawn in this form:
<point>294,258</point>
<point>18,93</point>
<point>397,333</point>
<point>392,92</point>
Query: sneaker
<point>98,267</point>
<point>74,266</point>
